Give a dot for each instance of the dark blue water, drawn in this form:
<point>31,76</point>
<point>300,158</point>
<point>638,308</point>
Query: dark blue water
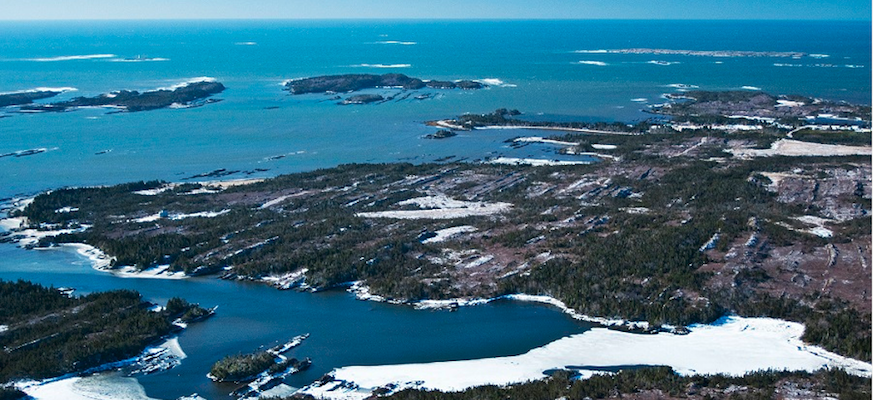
<point>344,331</point>
<point>536,61</point>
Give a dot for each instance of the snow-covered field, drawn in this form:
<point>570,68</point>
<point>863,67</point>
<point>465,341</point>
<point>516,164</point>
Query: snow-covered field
<point>534,162</point>
<point>104,386</point>
<point>732,345</point>
<point>787,147</point>
<point>440,207</point>
<point>445,234</point>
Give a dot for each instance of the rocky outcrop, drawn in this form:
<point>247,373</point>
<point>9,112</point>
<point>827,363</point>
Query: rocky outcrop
<point>362,99</point>
<point>22,98</point>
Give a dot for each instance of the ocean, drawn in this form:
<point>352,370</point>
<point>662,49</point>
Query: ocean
<point>546,69</point>
<point>549,70</point>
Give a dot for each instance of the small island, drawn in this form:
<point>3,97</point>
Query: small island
<point>187,95</point>
<point>26,97</point>
<point>362,99</point>
<point>356,82</point>
<point>261,370</point>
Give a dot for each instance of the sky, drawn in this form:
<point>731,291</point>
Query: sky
<point>432,9</point>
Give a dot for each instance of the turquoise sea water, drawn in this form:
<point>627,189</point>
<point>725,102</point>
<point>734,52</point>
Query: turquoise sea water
<point>540,71</point>
<point>537,61</point>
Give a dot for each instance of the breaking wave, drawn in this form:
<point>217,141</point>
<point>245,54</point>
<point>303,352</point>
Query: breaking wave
<point>598,63</point>
<point>494,82</point>
<point>396,42</point>
<point>73,58</point>
<point>383,65</point>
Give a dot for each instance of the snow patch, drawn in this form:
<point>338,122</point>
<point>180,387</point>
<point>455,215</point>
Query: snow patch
<point>94,387</point>
<point>445,234</point>
<point>733,346</point>
<point>534,162</point>
<point>795,148</point>
<point>440,207</point>
<point>537,139</point>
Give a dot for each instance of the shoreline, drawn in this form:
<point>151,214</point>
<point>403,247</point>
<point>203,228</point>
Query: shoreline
<point>733,346</point>
<point>448,123</point>
<point>362,292</point>
<point>89,385</point>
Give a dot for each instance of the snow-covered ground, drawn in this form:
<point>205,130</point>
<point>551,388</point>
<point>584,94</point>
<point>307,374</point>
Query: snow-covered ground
<point>538,139</point>
<point>732,345</point>
<point>94,387</point>
<point>787,147</point>
<point>445,234</point>
<point>176,217</point>
<point>440,207</point>
<point>534,162</point>
<point>107,385</point>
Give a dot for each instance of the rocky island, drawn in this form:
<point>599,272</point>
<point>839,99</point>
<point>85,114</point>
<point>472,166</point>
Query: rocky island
<point>25,97</point>
<point>356,82</point>
<point>188,94</point>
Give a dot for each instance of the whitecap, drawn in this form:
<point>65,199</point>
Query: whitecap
<point>598,63</point>
<point>383,65</point>
<point>396,42</point>
<point>786,65</point>
<point>682,86</point>
<point>72,58</point>
<point>139,59</point>
<point>494,82</point>
<point>188,82</point>
<point>44,89</point>
<point>751,88</point>
<point>659,62</point>
<point>592,51</point>
<point>640,100</point>
<point>819,55</point>
<point>246,43</point>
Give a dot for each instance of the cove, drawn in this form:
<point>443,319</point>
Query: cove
<point>344,331</point>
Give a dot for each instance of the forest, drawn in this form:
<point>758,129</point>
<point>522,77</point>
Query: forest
<point>52,334</point>
<point>657,236</point>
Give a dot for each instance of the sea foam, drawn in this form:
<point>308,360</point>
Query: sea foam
<point>494,82</point>
<point>44,89</point>
<point>72,58</point>
<point>382,65</point>
<point>396,42</point>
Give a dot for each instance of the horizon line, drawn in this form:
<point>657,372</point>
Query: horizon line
<point>866,20</point>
